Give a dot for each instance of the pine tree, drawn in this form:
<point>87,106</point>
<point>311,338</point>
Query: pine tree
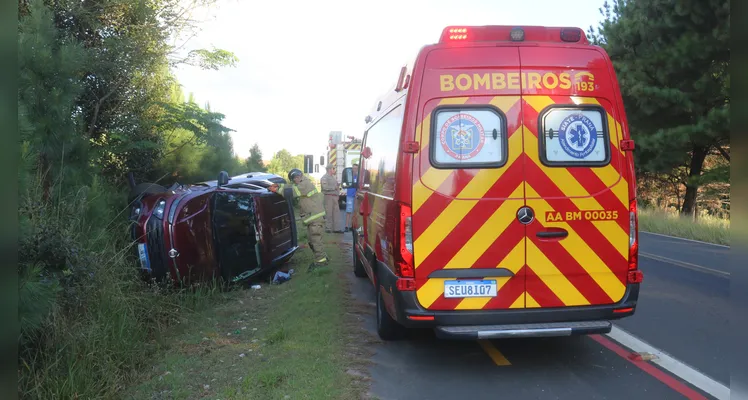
<point>254,161</point>
<point>671,58</point>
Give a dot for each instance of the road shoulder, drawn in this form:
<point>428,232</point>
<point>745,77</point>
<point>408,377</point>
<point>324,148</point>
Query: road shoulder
<point>300,339</point>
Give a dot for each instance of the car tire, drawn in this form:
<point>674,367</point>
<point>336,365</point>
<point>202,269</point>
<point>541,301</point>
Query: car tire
<point>358,265</point>
<point>144,188</point>
<point>387,328</point>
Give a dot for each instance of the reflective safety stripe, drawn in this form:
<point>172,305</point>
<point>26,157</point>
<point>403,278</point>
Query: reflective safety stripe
<point>321,260</point>
<point>296,191</point>
<point>312,192</point>
<point>313,217</point>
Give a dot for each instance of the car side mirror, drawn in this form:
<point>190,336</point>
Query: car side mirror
<point>223,178</point>
<point>347,177</point>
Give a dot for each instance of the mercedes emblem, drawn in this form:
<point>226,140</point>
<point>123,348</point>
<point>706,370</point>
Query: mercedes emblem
<point>525,215</point>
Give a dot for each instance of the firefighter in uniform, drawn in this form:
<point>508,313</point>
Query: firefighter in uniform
<point>312,213</point>
<point>331,190</point>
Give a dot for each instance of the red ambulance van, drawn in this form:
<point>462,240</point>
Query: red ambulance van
<point>496,193</point>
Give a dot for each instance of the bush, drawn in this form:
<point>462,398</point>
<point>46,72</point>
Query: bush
<point>87,322</point>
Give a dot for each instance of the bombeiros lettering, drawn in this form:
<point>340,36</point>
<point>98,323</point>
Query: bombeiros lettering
<point>581,81</point>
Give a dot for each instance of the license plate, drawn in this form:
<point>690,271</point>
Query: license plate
<point>459,289</point>
<point>143,255</point>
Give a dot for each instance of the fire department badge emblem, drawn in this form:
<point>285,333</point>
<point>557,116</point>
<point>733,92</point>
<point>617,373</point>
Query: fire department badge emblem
<point>462,137</point>
<point>578,136</point>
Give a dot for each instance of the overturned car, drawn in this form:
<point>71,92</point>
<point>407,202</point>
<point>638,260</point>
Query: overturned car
<point>230,229</point>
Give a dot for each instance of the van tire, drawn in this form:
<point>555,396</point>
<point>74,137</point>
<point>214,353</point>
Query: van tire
<point>358,265</point>
<point>387,328</point>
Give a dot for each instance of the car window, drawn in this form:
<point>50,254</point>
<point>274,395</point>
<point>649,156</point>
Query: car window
<point>468,137</point>
<point>574,135</point>
<point>383,138</point>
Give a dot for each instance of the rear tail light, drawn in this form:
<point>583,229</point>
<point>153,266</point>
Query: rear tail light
<point>635,277</point>
<point>633,237</point>
<point>405,270</point>
<point>406,284</point>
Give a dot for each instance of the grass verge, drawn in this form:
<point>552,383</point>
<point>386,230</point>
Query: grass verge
<point>298,340</point>
<point>705,228</point>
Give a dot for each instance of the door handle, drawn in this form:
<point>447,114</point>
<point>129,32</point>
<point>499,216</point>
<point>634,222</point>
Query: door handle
<point>552,234</point>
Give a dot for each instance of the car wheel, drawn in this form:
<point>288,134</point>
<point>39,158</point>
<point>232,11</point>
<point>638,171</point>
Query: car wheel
<point>387,328</point>
<point>358,265</point>
<point>144,188</point>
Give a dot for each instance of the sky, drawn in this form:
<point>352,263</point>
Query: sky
<point>310,67</point>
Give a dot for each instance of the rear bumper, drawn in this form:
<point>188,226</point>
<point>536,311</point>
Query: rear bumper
<point>471,324</point>
<point>475,332</point>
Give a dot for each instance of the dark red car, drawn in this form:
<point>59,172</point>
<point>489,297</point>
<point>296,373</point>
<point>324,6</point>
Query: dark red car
<point>230,228</point>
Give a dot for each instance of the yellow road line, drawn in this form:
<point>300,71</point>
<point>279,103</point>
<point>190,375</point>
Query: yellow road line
<point>494,353</point>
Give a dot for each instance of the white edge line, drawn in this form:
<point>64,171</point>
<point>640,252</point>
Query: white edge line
<point>684,239</point>
<point>664,360</point>
<point>686,265</point>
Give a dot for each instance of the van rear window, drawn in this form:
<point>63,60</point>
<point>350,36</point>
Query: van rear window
<point>468,137</point>
<point>574,135</point>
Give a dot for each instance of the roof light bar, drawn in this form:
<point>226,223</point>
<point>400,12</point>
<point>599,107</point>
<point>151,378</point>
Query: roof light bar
<point>458,33</point>
<point>517,34</point>
<point>571,34</point>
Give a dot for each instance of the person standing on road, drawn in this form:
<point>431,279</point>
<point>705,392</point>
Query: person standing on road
<point>331,190</point>
<point>310,203</point>
<point>350,197</point>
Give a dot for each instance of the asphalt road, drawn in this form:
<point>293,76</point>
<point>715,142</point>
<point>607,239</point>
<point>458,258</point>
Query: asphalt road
<point>681,319</point>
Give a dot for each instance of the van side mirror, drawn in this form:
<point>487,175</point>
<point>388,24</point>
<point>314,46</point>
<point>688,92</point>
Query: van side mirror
<point>223,178</point>
<point>347,177</point>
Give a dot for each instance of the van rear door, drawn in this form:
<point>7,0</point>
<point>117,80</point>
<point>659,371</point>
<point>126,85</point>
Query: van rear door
<point>577,249</point>
<point>468,181</point>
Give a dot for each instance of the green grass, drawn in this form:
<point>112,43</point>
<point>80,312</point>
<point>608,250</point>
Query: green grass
<point>705,228</point>
<point>297,340</point>
<point>88,325</point>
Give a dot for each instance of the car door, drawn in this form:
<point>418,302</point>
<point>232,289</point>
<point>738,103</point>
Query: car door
<point>577,247</point>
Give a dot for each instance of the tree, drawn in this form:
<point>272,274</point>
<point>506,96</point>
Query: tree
<point>671,59</point>
<point>283,162</point>
<point>50,68</point>
<point>254,162</point>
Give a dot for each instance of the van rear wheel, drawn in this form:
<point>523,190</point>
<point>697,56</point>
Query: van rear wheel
<point>387,328</point>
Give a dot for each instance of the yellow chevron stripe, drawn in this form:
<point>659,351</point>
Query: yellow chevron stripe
<point>430,181</point>
<point>571,188</point>
<point>538,103</point>
<point>504,103</point>
<point>456,210</point>
<point>580,250</point>
<point>530,302</point>
<point>430,291</point>
<point>520,302</point>
<point>514,261</point>
<point>441,227</point>
<point>552,277</point>
<point>488,232</point>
